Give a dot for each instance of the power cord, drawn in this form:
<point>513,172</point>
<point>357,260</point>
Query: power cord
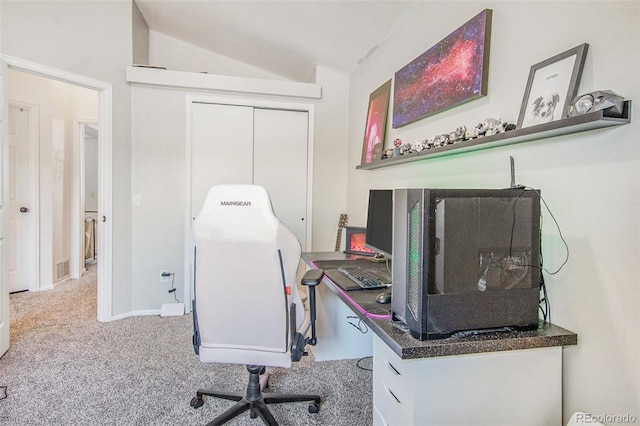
<point>362,359</point>
<point>361,326</point>
<point>544,304</point>
<point>566,246</point>
<point>173,289</point>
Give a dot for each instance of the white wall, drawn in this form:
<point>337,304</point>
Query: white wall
<point>92,39</point>
<point>176,55</point>
<point>140,37</point>
<point>590,180</point>
<point>158,155</point>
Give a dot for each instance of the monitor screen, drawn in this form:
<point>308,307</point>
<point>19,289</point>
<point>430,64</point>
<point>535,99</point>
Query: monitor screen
<point>380,221</point>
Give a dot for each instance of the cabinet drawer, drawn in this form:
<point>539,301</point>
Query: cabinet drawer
<point>393,374</point>
<point>381,350</point>
<point>378,420</point>
<point>398,384</point>
<point>388,408</point>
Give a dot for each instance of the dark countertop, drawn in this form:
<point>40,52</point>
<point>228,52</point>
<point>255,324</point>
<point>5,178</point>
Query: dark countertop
<point>377,317</point>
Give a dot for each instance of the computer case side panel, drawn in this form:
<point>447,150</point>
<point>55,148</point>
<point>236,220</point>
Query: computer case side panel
<point>398,264</point>
<point>419,266</point>
<point>471,260</point>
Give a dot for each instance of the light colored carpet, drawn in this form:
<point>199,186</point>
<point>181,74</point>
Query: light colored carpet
<point>65,368</point>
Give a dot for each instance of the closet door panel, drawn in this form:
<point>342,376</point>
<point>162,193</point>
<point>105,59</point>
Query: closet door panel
<point>280,164</point>
<point>221,148</point>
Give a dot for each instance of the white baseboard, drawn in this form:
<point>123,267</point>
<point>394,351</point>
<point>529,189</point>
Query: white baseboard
<point>135,314</point>
<point>147,312</point>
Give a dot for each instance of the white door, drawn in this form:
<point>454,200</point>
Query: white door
<point>19,208</point>
<point>221,148</point>
<point>280,165</point>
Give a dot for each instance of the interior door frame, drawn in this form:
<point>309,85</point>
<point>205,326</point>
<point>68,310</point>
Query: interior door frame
<point>247,102</point>
<point>77,249</point>
<point>34,191</point>
<point>105,170</point>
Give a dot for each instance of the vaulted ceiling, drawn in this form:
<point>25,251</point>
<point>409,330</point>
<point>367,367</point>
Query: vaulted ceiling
<point>288,38</point>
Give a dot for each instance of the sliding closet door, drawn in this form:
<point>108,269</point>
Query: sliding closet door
<point>221,148</point>
<point>243,144</point>
<point>280,164</point>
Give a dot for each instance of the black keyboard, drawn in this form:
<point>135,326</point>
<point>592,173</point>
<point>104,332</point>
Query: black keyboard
<point>365,279</point>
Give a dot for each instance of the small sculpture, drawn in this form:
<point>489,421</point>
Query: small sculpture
<point>429,143</point>
<point>459,134</point>
<point>405,149</point>
<point>441,140</point>
<point>492,126</point>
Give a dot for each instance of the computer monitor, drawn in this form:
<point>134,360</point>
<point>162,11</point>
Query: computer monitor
<point>380,221</point>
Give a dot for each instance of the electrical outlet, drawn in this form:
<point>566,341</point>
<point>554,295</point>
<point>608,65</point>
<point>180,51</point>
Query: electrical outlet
<point>165,274</point>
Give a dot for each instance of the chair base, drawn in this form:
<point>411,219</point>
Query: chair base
<point>253,400</point>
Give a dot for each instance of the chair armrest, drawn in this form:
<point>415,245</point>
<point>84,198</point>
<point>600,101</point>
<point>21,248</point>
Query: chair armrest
<point>312,277</point>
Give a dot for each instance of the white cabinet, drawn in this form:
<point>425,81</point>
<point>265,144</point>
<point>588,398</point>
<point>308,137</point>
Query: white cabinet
<point>262,146</point>
<point>519,387</point>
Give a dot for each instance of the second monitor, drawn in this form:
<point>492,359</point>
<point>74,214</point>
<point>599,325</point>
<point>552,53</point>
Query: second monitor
<point>380,222</point>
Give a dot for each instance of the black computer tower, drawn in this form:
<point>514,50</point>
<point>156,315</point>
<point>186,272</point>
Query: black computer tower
<point>465,259</point>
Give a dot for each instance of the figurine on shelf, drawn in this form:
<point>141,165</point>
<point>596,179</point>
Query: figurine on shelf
<point>479,130</point>
<point>459,134</point>
<point>492,126</point>
<point>470,134</point>
<point>429,143</point>
<point>441,140</point>
<point>397,143</point>
<point>418,146</point>
<point>406,148</point>
<point>388,153</point>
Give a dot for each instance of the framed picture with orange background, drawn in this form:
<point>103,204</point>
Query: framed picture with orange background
<point>355,241</point>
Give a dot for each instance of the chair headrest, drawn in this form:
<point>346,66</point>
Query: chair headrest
<point>236,207</point>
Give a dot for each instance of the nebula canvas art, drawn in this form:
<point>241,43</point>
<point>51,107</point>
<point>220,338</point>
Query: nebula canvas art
<point>452,72</point>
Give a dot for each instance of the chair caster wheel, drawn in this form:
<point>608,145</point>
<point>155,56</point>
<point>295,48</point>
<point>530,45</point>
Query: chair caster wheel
<point>197,402</point>
<point>314,407</point>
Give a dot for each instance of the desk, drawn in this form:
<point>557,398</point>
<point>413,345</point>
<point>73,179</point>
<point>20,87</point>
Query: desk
<point>501,378</point>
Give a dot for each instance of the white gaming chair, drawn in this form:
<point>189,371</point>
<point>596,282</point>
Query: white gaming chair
<point>247,308</point>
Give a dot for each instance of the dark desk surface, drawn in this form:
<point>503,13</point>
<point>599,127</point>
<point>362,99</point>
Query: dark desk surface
<point>378,319</point>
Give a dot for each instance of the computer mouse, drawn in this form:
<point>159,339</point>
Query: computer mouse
<point>384,297</point>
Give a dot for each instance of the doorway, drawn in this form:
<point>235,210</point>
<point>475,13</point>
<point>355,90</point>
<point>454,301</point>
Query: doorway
<point>86,162</point>
<point>104,194</point>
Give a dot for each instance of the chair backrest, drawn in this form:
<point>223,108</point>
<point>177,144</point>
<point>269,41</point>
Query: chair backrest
<point>245,264</point>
